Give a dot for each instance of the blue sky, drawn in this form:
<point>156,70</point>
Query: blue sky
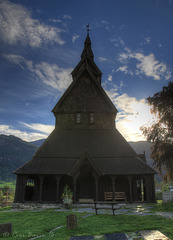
<point>41,42</point>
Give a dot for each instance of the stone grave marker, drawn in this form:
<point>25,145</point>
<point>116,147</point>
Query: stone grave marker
<point>71,221</point>
<point>155,234</point>
<point>167,196</point>
<point>6,228</point>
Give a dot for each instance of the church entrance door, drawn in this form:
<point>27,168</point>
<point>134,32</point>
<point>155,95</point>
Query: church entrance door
<point>85,187</point>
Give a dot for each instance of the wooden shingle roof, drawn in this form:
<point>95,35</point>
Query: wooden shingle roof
<point>109,151</point>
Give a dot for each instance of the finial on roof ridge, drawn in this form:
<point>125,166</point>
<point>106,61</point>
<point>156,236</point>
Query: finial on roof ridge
<point>88,28</point>
<point>87,51</point>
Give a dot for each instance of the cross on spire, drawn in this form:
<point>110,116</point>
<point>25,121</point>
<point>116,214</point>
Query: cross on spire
<point>88,28</point>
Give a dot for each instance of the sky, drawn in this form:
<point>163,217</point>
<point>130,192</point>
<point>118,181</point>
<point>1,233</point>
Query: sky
<point>41,42</point>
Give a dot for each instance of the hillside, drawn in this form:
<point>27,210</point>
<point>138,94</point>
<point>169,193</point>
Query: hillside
<point>38,143</point>
<point>14,152</point>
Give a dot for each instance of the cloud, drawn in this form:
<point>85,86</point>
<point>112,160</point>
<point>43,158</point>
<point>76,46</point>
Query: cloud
<point>17,25</point>
<point>107,25</point>
<point>125,69</point>
<point>67,17</point>
<point>53,75</point>
<point>50,74</point>
<point>39,127</point>
<point>146,65</point>
<point>110,78</point>
<point>132,115</point>
<point>75,36</point>
<point>117,42</point>
<point>102,59</point>
<point>147,40</point>
<point>26,136</point>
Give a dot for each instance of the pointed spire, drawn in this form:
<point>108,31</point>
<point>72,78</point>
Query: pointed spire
<point>87,51</point>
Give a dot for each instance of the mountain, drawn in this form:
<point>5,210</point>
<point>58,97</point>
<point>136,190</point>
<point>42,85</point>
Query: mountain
<point>38,143</point>
<point>14,152</point>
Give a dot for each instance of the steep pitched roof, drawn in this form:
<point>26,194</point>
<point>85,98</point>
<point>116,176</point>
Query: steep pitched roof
<point>106,149</point>
<point>96,84</point>
<point>86,65</point>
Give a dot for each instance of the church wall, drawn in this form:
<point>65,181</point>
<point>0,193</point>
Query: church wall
<point>102,121</point>
<point>85,97</point>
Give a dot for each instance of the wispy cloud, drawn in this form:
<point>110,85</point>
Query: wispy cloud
<point>125,69</point>
<point>102,59</point>
<point>117,42</point>
<point>50,74</point>
<point>39,127</point>
<point>146,64</point>
<point>27,136</point>
<point>74,37</point>
<point>53,75</point>
<point>66,16</point>
<point>107,25</point>
<point>110,78</point>
<point>17,25</point>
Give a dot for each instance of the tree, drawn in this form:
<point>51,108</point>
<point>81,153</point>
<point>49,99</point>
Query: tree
<point>1,195</point>
<point>161,132</point>
<point>6,191</point>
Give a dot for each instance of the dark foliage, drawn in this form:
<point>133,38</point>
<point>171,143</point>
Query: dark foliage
<point>161,133</point>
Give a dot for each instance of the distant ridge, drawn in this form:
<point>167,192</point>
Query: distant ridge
<point>14,152</point>
<point>38,143</point>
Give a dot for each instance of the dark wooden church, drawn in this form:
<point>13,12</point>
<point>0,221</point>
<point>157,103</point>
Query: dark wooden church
<point>85,150</point>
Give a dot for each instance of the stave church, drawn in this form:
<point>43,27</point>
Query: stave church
<point>85,150</point>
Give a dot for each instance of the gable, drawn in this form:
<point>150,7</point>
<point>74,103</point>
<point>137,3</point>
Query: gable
<point>85,95</point>
<point>85,160</point>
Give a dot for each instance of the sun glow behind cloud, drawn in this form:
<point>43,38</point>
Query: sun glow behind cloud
<point>132,115</point>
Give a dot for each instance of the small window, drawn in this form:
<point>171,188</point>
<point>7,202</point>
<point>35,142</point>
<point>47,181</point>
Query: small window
<point>92,118</point>
<point>78,117</point>
<point>30,182</point>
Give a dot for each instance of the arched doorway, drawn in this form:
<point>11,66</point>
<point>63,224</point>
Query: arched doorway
<point>49,189</point>
<point>31,189</point>
<point>85,184</point>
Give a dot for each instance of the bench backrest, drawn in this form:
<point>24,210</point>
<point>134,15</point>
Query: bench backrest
<point>108,195</point>
<point>119,195</point>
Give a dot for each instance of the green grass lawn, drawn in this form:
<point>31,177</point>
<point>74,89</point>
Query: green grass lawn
<point>27,224</point>
<point>165,207</point>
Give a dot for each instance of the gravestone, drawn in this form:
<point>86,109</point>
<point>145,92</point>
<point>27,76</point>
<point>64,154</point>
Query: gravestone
<point>155,234</point>
<point>71,221</point>
<point>82,238</point>
<point>167,196</point>
<point>6,228</point>
<point>116,236</point>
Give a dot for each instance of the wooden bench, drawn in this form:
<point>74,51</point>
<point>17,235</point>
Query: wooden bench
<point>113,206</point>
<point>117,196</point>
<point>108,196</point>
<point>120,196</point>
